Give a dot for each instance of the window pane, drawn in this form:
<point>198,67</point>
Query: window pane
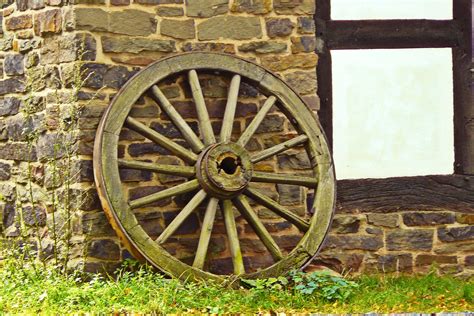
<point>391,9</point>
<point>392,112</point>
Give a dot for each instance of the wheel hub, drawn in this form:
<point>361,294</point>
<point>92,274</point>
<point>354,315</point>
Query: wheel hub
<point>224,170</point>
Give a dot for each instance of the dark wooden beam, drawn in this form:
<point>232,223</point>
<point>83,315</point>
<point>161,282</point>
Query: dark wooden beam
<point>462,82</point>
<point>373,34</point>
<point>451,192</point>
<point>324,69</point>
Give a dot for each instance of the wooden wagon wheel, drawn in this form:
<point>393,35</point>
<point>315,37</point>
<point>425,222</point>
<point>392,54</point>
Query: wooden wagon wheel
<point>218,169</point>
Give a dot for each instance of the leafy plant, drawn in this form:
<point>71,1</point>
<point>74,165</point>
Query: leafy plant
<point>320,284</point>
<point>323,284</point>
<point>267,284</point>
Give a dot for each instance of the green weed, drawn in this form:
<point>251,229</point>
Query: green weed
<point>133,288</point>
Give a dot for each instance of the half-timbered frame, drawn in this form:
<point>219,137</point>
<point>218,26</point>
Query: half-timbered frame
<point>454,191</point>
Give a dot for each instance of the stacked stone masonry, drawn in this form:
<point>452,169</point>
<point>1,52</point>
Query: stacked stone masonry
<point>62,62</point>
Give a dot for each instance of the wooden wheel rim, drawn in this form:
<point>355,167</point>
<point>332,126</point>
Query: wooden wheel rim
<point>118,209</point>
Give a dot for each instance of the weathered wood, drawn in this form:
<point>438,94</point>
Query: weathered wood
<point>264,154</point>
<point>205,235</point>
<point>161,140</point>
<point>277,209</point>
<point>233,237</point>
<point>463,91</point>
<point>269,177</point>
<point>324,68</point>
<point>245,209</point>
<point>229,114</point>
<point>451,192</point>
<point>182,216</point>
<point>257,120</point>
<point>183,171</point>
<point>123,219</point>
<point>201,110</point>
<point>158,196</point>
<point>177,119</point>
<point>373,34</point>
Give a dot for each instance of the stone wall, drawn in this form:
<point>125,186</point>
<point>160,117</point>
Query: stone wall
<point>405,241</point>
<point>62,62</point>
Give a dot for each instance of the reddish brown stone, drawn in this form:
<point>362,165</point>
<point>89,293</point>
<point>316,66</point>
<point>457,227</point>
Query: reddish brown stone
<point>386,220</point>
<point>345,224</point>
<point>469,261</point>
<point>48,22</point>
<point>303,44</point>
<point>294,6</point>
<point>209,47</point>
<point>252,6</point>
<point>119,2</point>
<point>280,63</point>
<point>18,22</point>
<point>405,263</point>
<point>465,218</point>
<point>455,247</point>
<point>427,219</point>
<point>139,192</point>
<point>279,27</point>
<point>409,239</point>
<point>340,262</point>
<point>351,242</point>
<point>426,260</point>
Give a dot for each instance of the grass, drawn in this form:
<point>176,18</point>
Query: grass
<point>35,289</point>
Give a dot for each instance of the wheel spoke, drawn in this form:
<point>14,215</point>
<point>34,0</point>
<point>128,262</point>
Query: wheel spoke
<point>257,120</point>
<point>176,170</point>
<point>203,115</point>
<point>229,114</point>
<point>268,177</point>
<point>206,231</point>
<point>181,217</point>
<point>245,209</point>
<point>177,119</point>
<point>158,196</point>
<point>233,237</point>
<point>161,140</point>
<point>264,154</point>
<point>277,209</point>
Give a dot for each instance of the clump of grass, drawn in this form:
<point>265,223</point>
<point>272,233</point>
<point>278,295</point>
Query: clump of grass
<point>38,289</point>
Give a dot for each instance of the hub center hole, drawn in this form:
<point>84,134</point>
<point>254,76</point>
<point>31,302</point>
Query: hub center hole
<point>229,165</point>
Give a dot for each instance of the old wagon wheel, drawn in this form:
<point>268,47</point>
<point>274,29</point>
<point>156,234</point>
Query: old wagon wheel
<point>219,169</point>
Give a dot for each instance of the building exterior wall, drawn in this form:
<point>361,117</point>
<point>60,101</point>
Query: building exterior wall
<point>61,64</point>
